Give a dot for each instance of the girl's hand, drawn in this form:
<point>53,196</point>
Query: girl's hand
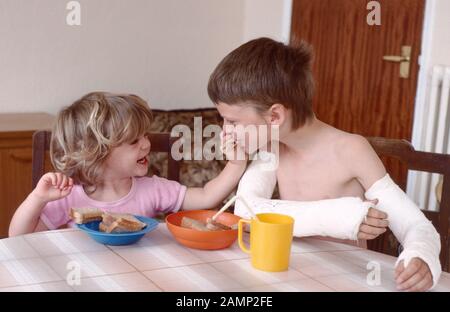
<point>232,151</point>
<point>53,186</point>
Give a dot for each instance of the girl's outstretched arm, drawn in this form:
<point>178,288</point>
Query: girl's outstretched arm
<point>51,186</point>
<point>216,190</point>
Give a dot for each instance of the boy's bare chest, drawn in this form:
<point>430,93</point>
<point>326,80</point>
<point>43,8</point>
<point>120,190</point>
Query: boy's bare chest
<point>315,177</point>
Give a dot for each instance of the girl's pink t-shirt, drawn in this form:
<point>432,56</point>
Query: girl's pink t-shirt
<point>148,197</point>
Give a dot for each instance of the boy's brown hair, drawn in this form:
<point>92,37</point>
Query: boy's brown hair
<point>263,72</point>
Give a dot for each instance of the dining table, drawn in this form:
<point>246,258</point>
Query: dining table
<point>69,260</point>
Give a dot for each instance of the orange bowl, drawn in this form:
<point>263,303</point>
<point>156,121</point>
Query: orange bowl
<point>199,239</point>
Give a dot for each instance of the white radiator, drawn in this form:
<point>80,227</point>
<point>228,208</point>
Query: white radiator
<point>434,138</point>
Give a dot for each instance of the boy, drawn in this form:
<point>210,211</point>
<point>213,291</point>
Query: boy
<point>265,82</point>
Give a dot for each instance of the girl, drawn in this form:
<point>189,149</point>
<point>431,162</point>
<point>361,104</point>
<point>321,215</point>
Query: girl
<point>99,148</point>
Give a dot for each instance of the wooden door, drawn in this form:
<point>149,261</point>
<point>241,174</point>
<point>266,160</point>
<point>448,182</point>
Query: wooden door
<point>356,90</point>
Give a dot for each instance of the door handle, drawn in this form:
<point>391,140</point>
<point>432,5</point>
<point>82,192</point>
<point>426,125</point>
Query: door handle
<point>396,58</point>
<point>404,60</point>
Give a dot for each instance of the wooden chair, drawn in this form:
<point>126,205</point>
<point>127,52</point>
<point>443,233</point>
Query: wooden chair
<point>161,142</point>
<point>403,151</point>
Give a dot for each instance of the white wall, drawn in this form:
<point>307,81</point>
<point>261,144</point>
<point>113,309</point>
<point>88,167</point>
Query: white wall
<point>435,51</point>
<point>163,50</point>
<point>440,27</point>
<point>267,18</point>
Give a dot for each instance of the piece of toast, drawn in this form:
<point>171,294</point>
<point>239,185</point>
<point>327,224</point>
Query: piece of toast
<point>103,227</point>
<point>210,225</point>
<point>216,226</point>
<point>120,223</point>
<point>129,221</point>
<point>85,214</point>
<point>194,224</point>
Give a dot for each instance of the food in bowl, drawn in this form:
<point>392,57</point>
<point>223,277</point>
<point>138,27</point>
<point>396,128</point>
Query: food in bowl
<point>109,222</point>
<point>120,223</point>
<point>84,215</point>
<point>115,239</point>
<point>209,225</point>
<point>208,240</point>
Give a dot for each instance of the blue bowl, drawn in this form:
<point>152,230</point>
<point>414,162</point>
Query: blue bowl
<point>117,239</point>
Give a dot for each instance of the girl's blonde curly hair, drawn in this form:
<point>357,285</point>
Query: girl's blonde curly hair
<point>86,131</point>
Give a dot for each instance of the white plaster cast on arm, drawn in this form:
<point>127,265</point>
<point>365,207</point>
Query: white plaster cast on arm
<point>413,230</point>
<point>338,218</point>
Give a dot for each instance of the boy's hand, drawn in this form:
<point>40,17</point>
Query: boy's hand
<point>232,151</point>
<point>416,277</point>
<point>53,186</point>
<point>374,224</point>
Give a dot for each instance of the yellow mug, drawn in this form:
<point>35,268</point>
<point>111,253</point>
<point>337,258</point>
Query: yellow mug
<point>270,241</point>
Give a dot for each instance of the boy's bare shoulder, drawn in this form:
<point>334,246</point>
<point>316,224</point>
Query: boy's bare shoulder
<point>356,152</point>
<point>348,144</point>
<point>354,149</point>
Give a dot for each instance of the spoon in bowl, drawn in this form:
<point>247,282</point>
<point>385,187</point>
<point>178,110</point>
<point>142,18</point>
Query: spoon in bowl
<point>212,223</point>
